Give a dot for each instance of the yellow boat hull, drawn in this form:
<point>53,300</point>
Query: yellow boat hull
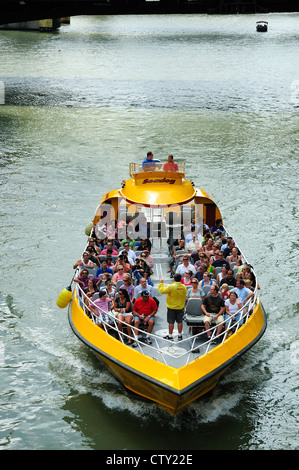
<point>171,387</point>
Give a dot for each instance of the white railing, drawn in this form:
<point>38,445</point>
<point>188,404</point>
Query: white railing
<point>230,327</point>
<point>138,168</point>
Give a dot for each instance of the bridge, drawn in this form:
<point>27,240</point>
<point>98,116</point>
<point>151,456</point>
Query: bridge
<point>13,11</point>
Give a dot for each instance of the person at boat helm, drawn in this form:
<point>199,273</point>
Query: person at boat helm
<point>213,308</point>
<point>144,310</point>
<point>149,163</point>
<point>175,303</point>
<point>170,165</point>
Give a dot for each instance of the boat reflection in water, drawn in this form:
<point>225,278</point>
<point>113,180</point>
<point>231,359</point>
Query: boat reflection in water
<point>169,372</point>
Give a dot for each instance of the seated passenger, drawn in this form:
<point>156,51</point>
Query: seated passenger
<point>170,165</point>
<point>103,304</point>
<point>143,243</point>
<point>244,294</point>
<point>244,274</point>
<point>144,310</point>
<point>128,286</point>
<point>222,274</point>
<point>213,307</point>
<point>207,280</point>
<point>130,253</point>
<point>104,269</point>
<point>85,261</point>
<point>232,305</point>
<point>144,285</point>
<point>111,247</point>
<point>145,255</point>
<point>200,272</point>
<point>148,279</point>
<point>229,248</point>
<point>224,291</point>
<point>195,291</point>
<point>92,243</point>
<point>234,257</point>
<point>184,266</point>
<point>110,289</point>
<point>118,276</point>
<point>200,258</point>
<point>186,279</point>
<point>122,260</point>
<point>82,279</point>
<point>218,226</point>
<point>91,288</point>
<point>220,261</point>
<point>194,245</point>
<point>129,240</point>
<point>123,310</point>
<point>179,245</point>
<point>149,163</point>
<point>229,279</point>
<point>109,262</point>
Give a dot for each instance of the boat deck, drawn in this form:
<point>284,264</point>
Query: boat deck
<point>175,353</point>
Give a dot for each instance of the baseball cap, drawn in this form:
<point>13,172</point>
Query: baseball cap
<point>145,293</point>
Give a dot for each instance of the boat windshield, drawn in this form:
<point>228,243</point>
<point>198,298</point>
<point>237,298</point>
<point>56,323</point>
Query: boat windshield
<point>156,166</point>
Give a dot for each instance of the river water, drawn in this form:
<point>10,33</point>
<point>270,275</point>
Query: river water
<point>79,105</point>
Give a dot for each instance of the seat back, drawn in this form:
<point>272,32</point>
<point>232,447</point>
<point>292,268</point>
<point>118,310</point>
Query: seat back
<point>206,289</point>
<point>193,307</point>
<point>119,284</point>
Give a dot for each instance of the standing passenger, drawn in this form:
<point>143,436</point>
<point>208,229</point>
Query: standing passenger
<point>149,163</point>
<point>170,165</point>
<point>175,302</point>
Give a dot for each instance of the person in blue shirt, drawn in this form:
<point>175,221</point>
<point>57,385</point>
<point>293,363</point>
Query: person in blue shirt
<point>150,161</point>
<point>104,269</point>
<point>243,292</point>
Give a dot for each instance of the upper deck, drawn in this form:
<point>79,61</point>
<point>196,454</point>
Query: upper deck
<point>136,168</point>
<point>156,187</point>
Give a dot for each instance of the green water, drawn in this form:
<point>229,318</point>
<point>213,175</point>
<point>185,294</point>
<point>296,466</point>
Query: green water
<point>80,104</point>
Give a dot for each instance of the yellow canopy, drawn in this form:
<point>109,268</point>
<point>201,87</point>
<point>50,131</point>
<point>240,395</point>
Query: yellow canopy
<point>158,188</point>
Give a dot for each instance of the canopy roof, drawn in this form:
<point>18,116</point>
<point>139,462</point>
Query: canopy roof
<point>158,188</point>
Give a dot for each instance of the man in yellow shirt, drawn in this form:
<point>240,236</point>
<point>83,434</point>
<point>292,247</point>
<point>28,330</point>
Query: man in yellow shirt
<point>175,303</point>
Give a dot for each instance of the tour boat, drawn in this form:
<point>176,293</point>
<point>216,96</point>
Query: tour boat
<point>171,373</point>
<point>262,26</point>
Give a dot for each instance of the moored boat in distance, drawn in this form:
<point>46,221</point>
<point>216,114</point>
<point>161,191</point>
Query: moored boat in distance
<point>151,210</point>
<point>262,26</point>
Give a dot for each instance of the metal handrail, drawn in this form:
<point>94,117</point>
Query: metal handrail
<point>244,313</point>
<point>137,167</point>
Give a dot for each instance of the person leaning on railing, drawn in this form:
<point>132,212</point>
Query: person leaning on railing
<point>149,163</point>
<point>170,165</point>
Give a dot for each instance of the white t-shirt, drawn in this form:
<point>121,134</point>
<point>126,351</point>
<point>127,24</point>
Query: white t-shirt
<point>181,269</point>
<point>233,308</point>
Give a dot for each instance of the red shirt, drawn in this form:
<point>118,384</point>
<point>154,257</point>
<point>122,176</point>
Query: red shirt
<point>144,307</point>
<point>170,166</point>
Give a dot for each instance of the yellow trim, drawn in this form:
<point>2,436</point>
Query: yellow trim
<point>158,188</point>
<point>171,387</point>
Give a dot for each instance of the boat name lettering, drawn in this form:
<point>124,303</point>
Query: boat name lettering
<point>159,180</point>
